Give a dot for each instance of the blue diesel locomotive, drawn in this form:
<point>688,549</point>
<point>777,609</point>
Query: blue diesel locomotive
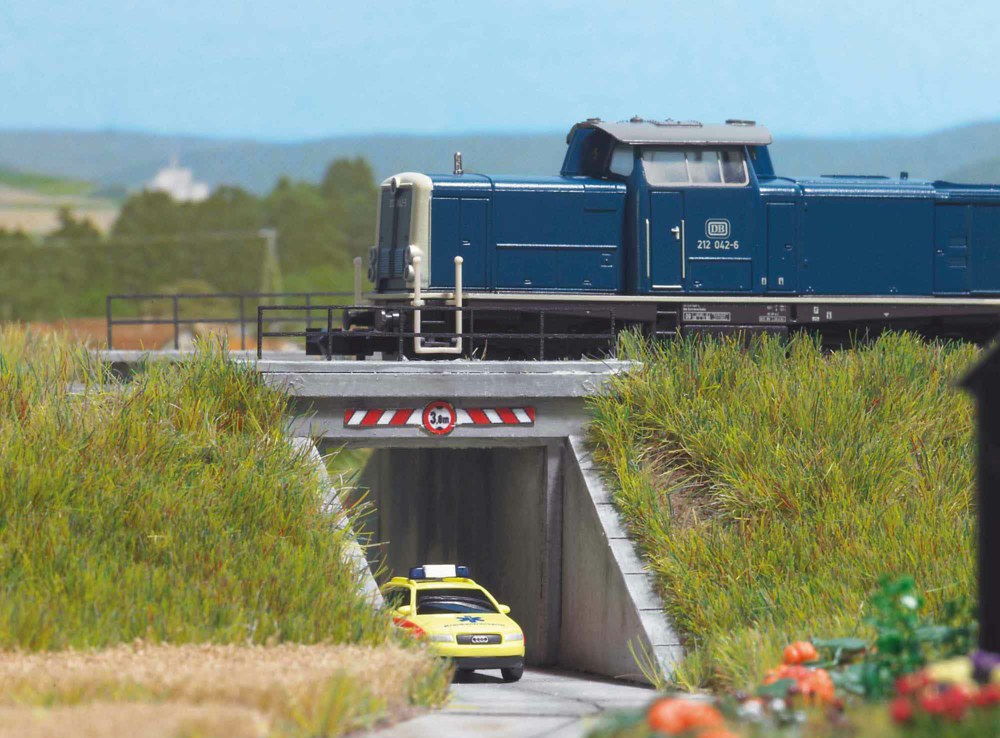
<point>669,227</point>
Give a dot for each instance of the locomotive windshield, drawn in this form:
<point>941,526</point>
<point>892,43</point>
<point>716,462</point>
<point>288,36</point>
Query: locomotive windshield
<point>394,222</point>
<point>695,166</point>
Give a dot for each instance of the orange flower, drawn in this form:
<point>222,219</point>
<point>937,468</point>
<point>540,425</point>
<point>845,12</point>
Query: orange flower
<point>800,652</point>
<point>672,715</point>
<point>814,684</point>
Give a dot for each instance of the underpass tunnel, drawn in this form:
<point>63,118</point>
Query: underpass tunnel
<point>497,510</point>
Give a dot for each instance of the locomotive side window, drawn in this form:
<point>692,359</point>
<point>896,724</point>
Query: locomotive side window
<point>621,160</point>
<point>734,168</point>
<point>703,166</point>
<point>665,166</point>
<point>695,166</point>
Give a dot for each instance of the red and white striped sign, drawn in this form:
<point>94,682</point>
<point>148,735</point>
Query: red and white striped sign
<point>438,417</point>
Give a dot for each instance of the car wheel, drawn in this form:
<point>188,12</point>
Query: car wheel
<point>512,675</point>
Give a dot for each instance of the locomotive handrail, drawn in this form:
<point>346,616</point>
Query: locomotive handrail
<point>401,336</point>
<point>419,347</point>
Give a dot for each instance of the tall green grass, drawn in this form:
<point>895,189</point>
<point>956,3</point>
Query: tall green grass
<point>771,485</point>
<point>169,509</point>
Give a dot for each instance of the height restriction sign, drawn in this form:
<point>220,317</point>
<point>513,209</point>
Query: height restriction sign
<point>439,418</point>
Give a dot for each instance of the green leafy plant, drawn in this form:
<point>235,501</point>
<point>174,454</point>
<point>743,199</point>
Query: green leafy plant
<point>903,643</point>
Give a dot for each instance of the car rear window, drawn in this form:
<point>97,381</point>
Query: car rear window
<point>445,601</point>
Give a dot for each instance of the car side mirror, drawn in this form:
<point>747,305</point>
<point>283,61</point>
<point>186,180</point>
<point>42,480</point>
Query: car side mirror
<point>505,609</point>
<point>403,610</point>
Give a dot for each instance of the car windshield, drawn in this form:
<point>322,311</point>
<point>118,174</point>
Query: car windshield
<point>445,601</point>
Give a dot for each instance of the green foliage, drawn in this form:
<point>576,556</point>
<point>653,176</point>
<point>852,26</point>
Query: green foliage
<point>318,225</point>
<point>72,278</point>
<point>158,242</point>
<point>770,485</point>
<point>172,508</point>
<point>73,229</point>
<point>904,641</point>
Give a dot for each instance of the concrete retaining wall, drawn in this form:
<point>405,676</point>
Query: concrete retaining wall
<point>610,608</point>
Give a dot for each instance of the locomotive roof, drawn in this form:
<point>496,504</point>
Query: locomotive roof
<point>640,131</point>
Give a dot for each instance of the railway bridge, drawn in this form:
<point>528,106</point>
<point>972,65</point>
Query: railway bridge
<point>484,463</point>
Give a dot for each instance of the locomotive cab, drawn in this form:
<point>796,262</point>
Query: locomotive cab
<point>693,193</point>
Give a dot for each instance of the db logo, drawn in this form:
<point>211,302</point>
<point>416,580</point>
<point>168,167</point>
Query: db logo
<point>439,418</point>
<point>717,228</point>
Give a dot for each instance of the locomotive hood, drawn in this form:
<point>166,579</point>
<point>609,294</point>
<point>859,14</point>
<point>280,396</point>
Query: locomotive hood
<point>477,216</point>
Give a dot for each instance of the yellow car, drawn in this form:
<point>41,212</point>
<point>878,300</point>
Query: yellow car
<point>459,619</point>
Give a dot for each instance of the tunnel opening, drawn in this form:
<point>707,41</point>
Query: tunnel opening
<point>496,510</point>
<point>536,529</point>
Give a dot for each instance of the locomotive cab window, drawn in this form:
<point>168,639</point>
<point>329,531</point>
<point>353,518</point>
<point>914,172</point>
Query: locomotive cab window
<point>621,160</point>
<point>702,166</point>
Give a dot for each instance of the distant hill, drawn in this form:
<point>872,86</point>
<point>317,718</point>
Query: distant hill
<point>985,171</point>
<point>131,159</point>
<point>938,155</point>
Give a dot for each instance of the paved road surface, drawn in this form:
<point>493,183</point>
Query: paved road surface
<point>554,704</point>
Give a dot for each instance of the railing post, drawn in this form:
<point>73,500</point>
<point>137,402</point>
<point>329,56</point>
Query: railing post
<point>614,335</point>
<point>541,334</point>
<point>177,325</point>
<point>309,312</point>
<point>399,332</point>
<point>329,334</point>
<point>472,333</point>
<point>260,330</point>
<point>107,308</point>
<point>243,324</point>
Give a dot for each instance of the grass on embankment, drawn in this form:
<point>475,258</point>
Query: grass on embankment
<point>771,486</point>
<point>171,510</point>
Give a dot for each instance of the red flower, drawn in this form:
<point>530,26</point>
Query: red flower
<point>901,710</point>
<point>987,696</point>
<point>956,702</point>
<point>932,703</point>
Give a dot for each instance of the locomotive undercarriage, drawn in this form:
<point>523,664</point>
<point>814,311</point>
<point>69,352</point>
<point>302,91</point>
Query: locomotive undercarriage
<point>547,329</point>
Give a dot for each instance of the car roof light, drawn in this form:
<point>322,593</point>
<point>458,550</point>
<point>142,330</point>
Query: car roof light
<point>438,571</point>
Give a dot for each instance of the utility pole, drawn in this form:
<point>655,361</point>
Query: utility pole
<point>270,280</point>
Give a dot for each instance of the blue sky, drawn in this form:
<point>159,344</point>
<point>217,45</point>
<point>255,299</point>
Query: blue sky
<point>302,69</point>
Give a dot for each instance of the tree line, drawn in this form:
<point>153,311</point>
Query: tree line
<point>321,227</point>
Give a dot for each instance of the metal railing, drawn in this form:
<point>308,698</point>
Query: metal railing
<point>245,305</point>
<point>268,314</point>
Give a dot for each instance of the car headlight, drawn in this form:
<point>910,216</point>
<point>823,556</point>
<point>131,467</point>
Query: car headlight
<point>514,637</point>
<point>441,638</point>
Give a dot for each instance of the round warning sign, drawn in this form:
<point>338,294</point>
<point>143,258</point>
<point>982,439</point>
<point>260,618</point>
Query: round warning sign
<point>439,418</point>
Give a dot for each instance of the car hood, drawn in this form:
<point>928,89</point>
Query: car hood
<point>467,623</point>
